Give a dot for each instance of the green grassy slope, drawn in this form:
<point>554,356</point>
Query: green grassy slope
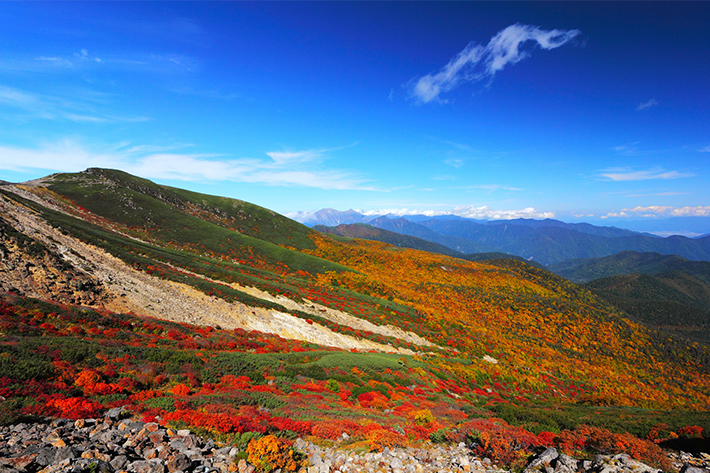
<point>168,217</point>
<point>137,202</point>
<point>673,302</point>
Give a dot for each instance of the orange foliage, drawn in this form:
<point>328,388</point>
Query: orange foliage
<point>270,453</point>
<point>381,438</point>
<point>533,323</point>
<point>87,378</point>
<point>74,407</point>
<point>180,390</point>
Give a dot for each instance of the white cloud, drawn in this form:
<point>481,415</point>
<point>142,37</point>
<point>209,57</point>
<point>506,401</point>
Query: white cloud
<point>705,150</point>
<point>662,211</point>
<point>630,149</point>
<point>281,157</point>
<point>85,118</point>
<point>466,211</point>
<point>454,162</point>
<point>681,233</point>
<point>476,62</point>
<point>470,211</point>
<point>84,55</point>
<point>155,162</point>
<point>647,105</point>
<point>292,157</point>
<point>624,174</point>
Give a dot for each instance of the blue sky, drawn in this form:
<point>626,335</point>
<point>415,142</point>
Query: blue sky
<point>570,110</point>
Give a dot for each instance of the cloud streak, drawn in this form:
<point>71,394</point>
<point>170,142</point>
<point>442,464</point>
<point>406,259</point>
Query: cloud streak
<point>47,107</point>
<point>647,105</point>
<point>622,174</point>
<point>286,169</point>
<point>478,63</point>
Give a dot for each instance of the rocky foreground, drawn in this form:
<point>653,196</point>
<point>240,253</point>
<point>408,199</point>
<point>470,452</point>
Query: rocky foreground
<point>114,444</point>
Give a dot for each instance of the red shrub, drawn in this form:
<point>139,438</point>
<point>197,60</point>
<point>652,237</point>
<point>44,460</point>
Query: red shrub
<point>180,390</point>
<point>74,407</point>
<point>690,432</point>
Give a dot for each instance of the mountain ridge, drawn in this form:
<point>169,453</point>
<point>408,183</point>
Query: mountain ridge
<point>547,241</point>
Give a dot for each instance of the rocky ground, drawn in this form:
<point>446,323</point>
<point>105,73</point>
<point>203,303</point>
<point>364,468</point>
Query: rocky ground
<point>118,444</point>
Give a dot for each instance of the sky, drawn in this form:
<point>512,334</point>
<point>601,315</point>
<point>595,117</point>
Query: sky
<point>579,111</point>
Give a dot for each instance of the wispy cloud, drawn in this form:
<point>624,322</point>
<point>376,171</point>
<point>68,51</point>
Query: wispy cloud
<point>444,177</point>
<point>210,94</point>
<point>629,149</point>
<point>303,156</point>
<point>56,61</point>
<point>662,211</point>
<point>128,148</point>
<point>76,59</point>
<point>84,55</point>
<point>86,61</point>
<point>493,187</point>
<point>705,149</point>
<point>83,107</point>
<point>658,194</point>
<point>454,162</point>
<point>647,105</point>
<point>283,157</point>
<point>625,174</point>
<point>16,98</point>
<point>478,63</point>
<point>157,162</point>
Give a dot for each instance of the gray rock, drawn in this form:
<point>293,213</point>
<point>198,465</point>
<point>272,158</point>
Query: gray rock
<point>178,445</point>
<point>178,462</point>
<point>45,456</point>
<point>688,468</point>
<point>147,466</point>
<point>565,464</point>
<point>119,462</point>
<point>544,459</point>
<point>116,413</point>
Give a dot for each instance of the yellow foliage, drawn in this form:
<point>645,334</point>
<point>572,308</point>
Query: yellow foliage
<point>423,417</point>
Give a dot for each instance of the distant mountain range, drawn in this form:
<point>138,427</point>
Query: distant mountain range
<point>545,241</point>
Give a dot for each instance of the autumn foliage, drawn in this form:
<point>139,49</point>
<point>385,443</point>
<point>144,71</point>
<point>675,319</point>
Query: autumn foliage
<point>270,453</point>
